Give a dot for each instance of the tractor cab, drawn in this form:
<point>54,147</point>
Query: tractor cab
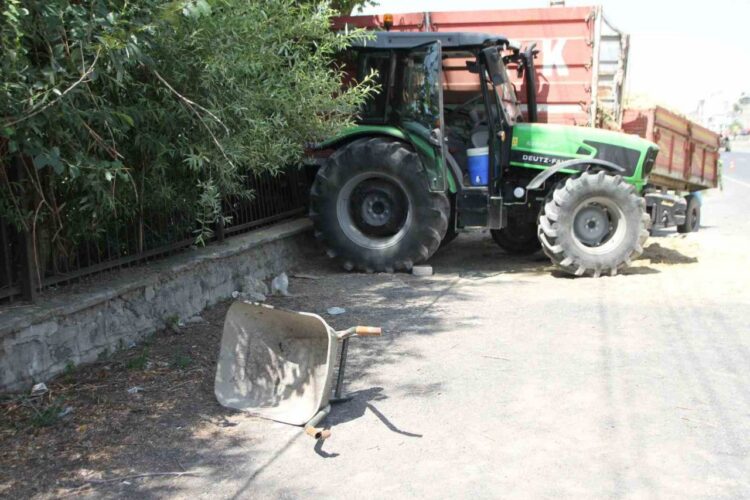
<point>451,92</point>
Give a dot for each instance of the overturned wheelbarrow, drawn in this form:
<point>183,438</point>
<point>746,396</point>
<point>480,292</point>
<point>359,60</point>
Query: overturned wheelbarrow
<point>279,364</point>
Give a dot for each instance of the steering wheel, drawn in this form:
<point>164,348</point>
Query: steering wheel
<point>463,108</point>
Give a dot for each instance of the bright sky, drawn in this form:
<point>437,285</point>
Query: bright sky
<point>681,51</point>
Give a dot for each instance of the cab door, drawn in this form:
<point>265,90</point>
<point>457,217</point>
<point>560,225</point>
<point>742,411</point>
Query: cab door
<point>420,108</point>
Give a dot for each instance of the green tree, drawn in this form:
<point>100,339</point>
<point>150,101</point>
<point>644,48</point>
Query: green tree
<point>113,110</point>
<point>346,7</point>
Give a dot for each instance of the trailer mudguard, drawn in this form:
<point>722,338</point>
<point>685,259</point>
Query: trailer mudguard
<point>542,177</point>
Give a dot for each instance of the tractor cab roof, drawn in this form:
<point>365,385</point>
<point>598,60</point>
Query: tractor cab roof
<point>449,40</point>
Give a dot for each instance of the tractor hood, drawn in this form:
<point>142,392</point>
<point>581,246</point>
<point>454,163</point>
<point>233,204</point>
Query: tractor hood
<point>541,145</point>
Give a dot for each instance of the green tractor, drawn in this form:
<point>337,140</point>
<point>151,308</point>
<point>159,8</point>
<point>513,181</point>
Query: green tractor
<point>429,159</point>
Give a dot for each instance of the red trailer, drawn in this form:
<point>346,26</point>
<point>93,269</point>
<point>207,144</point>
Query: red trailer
<point>582,61</point>
<point>688,157</point>
<point>688,162</point>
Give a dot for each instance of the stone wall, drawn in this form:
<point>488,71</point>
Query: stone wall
<point>78,324</point>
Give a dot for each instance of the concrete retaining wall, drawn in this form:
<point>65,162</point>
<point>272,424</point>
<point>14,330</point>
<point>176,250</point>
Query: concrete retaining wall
<point>78,324</point>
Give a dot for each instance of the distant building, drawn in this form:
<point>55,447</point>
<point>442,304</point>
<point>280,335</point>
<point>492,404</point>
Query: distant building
<point>714,112</point>
<point>722,113</point>
<point>742,111</point>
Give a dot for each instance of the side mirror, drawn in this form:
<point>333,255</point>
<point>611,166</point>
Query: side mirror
<point>494,65</point>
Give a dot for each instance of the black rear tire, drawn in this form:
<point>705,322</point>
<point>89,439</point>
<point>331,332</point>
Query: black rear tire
<point>372,207</point>
<point>593,224</point>
<point>692,216</point>
<point>451,233</point>
<point>519,237</point>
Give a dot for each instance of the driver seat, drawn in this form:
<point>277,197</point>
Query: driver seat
<point>480,134</point>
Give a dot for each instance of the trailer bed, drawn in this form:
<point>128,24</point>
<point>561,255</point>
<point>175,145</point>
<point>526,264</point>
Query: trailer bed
<point>688,157</point>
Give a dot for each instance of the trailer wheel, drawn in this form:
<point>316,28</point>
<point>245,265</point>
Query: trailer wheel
<point>519,237</point>
<point>593,224</point>
<point>373,210</point>
<point>692,216</point>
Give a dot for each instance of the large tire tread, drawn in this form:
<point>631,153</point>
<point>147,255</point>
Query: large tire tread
<point>451,234</point>
<point>550,230</point>
<point>396,158</point>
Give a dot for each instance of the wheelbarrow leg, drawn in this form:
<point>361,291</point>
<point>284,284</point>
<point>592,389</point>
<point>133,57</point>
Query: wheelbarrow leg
<point>311,428</point>
<point>337,398</point>
<point>360,331</point>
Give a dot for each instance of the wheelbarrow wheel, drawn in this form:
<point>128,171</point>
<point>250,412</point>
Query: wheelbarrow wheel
<point>373,210</point>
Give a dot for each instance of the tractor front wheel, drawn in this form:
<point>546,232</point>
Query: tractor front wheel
<point>373,209</point>
<point>593,224</point>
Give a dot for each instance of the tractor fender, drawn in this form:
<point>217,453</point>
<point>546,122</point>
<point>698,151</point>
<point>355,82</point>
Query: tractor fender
<point>542,177</point>
<point>359,132</point>
<point>363,131</point>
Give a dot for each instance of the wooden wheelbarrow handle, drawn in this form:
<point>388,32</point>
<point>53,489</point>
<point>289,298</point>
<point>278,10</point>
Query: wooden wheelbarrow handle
<point>368,331</point>
<point>359,331</point>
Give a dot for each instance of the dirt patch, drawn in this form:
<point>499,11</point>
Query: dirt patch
<point>658,254</point>
<point>670,249</point>
<point>119,416</point>
<point>150,409</point>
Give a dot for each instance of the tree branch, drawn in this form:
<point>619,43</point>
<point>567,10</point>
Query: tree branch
<point>109,149</point>
<point>191,103</point>
<point>51,103</point>
<point>191,106</point>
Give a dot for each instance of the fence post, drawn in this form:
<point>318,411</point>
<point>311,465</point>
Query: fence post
<point>27,276</point>
<point>220,229</point>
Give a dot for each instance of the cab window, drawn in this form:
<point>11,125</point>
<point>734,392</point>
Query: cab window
<point>374,110</point>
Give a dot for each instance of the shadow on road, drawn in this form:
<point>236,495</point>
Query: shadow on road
<point>628,271</point>
<point>476,256</point>
<point>360,402</point>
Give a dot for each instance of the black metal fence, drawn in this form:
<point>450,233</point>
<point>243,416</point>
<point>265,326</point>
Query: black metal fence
<point>9,287</point>
<point>27,266</point>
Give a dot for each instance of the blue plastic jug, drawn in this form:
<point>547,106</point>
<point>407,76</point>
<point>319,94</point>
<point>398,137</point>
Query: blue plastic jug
<point>479,165</point>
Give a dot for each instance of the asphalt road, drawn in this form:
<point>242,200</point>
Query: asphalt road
<point>498,378</point>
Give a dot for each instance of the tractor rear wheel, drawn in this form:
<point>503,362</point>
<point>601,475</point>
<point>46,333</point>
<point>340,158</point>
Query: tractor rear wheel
<point>373,210</point>
<point>593,224</point>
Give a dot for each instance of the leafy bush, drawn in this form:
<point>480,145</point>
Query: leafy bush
<point>113,110</point>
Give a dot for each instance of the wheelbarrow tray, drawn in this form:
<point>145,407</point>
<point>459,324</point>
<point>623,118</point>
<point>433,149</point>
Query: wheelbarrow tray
<point>274,363</point>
